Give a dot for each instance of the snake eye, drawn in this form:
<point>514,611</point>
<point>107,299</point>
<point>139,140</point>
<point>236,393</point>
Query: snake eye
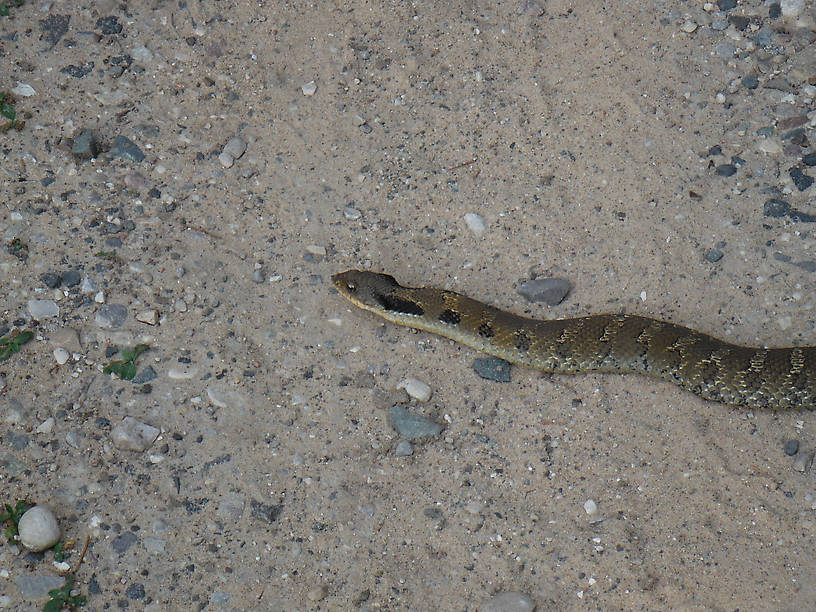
<point>351,287</point>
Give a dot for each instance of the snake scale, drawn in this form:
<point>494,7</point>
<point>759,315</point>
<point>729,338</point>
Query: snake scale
<point>713,369</point>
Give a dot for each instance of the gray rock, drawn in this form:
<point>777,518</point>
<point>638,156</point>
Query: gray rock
<point>551,291</point>
<point>126,149</point>
<point>122,543</point>
<point>71,278</point>
<point>133,435</point>
<point>85,146</point>
<point>38,529</point>
<point>803,461</point>
<point>492,368</point>
<point>231,507</point>
<point>111,316</point>
<point>36,586</point>
<point>509,601</point>
<point>404,449</point>
<point>144,376</point>
<point>412,426</point>
<point>43,309</point>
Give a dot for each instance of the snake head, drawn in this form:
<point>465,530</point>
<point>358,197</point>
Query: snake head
<point>374,291</point>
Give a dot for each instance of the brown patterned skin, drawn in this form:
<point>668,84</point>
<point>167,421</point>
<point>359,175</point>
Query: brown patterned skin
<point>715,370</point>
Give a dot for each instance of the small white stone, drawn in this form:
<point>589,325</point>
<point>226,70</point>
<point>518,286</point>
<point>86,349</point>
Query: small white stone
<point>309,88</point>
<point>43,309</point>
<point>770,145</point>
<point>590,507</point>
<point>235,147</point>
<point>38,529</point>
<point>351,213</point>
<point>178,373</point>
<point>720,98</point>
<point>99,298</point>
<point>61,356</point>
<point>62,566</point>
<point>475,224</point>
<point>416,388</point>
<point>688,27</point>
<point>47,426</point>
<point>24,90</point>
<point>133,435</point>
<point>315,249</point>
<point>151,317</point>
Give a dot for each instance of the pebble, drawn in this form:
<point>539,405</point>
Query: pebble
<point>416,388</point>
<point>88,285</point>
<point>725,49</point>
<point>726,5</point>
<point>726,170</point>
<point>233,150</point>
<point>351,213</point>
<point>475,223</point>
<point>61,356</point>
<point>316,249</point>
<point>412,426</point>
<point>24,90</point>
<point>43,309</point>
<point>71,278</point>
<point>713,255</point>
<point>404,449</point>
<point>133,435</point>
<point>111,316</point>
<point>126,149</point>
<point>145,376</point>
<point>222,398</point>
<point>36,586</point>
<point>67,338</point>
<point>309,88</point>
<point>688,27</point>
<point>551,291</point>
<point>47,426</point>
<point>770,145</point>
<point>151,316</point>
<point>492,368</point>
<point>51,280</point>
<point>590,507</point>
<point>776,208</point>
<point>38,529</point>
<point>801,180</point>
<point>803,461</point>
<point>219,599</point>
<point>122,543</point>
<point>791,447</point>
<point>809,159</point>
<point>317,593</point>
<point>508,601</point>
<point>750,82</point>
<point>790,8</point>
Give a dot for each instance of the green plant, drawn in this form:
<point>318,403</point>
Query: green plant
<point>4,6</point>
<point>11,344</point>
<point>125,368</point>
<point>12,514</point>
<point>7,108</point>
<point>62,598</point>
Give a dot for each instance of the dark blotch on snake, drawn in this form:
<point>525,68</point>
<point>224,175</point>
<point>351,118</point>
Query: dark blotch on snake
<point>450,316</point>
<point>397,304</point>
<point>486,331</point>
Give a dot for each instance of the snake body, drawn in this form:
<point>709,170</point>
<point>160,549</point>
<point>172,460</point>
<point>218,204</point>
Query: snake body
<point>713,369</point>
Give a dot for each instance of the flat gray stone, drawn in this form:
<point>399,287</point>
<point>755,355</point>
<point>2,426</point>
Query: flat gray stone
<point>412,426</point>
<point>492,368</point>
<point>36,586</point>
<point>508,601</point>
<point>111,316</point>
<point>43,309</point>
<point>133,435</point>
<point>551,291</point>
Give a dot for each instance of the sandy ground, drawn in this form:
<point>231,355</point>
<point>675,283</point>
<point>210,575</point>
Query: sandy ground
<point>582,135</point>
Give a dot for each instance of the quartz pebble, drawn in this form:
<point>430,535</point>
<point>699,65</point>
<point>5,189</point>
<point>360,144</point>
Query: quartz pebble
<point>38,529</point>
<point>61,356</point>
<point>590,507</point>
<point>475,224</point>
<point>509,601</point>
<point>151,316</point>
<point>133,435</point>
<point>43,309</point>
<point>416,388</point>
<point>309,88</point>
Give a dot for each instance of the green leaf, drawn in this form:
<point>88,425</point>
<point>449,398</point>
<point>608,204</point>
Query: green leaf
<point>128,370</point>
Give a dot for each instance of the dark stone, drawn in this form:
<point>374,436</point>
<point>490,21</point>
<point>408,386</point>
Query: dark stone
<point>126,149</point>
<point>737,161</point>
<point>713,255</point>
<point>144,376</point>
<point>551,291</point>
<point>726,5</point>
<point>85,146</point>
<point>113,242</point>
<point>109,25</point>
<point>800,179</point>
<point>154,193</point>
<point>123,542</point>
<point>135,591</point>
<point>808,265</point>
<point>775,10</point>
<point>53,28</point>
<point>776,208</point>
<point>51,280</point>
<point>739,21</point>
<point>264,512</point>
<point>492,368</point>
<point>791,447</point>
<point>809,159</point>
<point>750,82</point>
<point>71,278</point>
<point>78,72</point>
<point>715,150</point>
<point>726,170</point>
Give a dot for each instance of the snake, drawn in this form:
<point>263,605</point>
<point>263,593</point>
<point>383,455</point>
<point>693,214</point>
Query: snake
<point>767,378</point>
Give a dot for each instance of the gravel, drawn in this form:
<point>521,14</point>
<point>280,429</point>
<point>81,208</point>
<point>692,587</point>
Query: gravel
<point>412,426</point>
